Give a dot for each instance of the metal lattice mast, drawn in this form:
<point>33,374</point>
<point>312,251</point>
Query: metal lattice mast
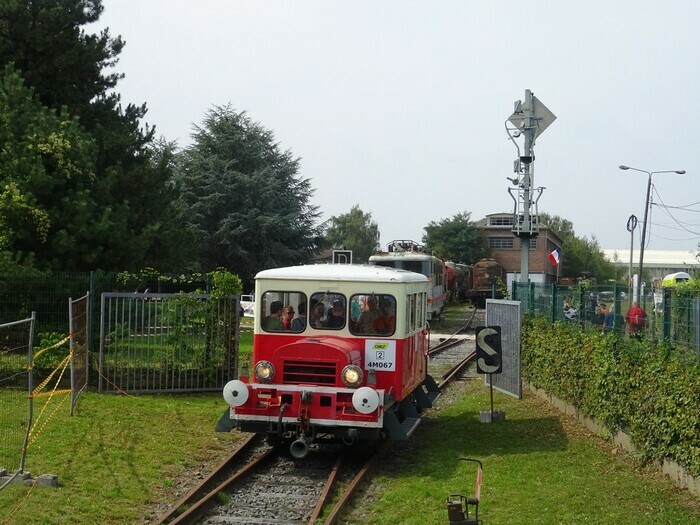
<point>530,118</point>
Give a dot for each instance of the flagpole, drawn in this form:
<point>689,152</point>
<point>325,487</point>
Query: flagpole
<point>558,267</point>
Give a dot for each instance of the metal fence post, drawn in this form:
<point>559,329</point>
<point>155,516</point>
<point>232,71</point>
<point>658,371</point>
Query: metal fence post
<point>618,305</point>
<point>696,321</point>
<point>666,307</point>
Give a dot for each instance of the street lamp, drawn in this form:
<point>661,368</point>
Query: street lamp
<point>644,224</point>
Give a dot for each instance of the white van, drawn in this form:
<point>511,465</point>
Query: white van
<point>248,304</point>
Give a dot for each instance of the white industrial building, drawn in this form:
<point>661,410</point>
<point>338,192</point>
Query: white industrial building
<point>657,263</point>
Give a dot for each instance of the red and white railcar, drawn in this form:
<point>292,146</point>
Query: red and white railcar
<point>349,364</point>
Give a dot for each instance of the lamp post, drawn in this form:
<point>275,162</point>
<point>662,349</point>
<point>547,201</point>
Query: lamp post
<point>644,223</point>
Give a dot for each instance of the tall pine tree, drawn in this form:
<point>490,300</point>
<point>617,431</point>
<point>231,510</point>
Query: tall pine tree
<point>246,204</point>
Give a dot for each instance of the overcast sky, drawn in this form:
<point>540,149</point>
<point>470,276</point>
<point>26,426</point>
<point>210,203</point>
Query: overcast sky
<point>399,106</point>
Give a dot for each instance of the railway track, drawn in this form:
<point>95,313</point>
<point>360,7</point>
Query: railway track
<point>452,340</point>
<point>270,488</point>
<point>262,485</point>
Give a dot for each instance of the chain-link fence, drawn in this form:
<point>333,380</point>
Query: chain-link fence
<point>15,388</point>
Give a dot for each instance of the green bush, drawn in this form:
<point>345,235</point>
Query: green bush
<point>47,356</point>
<point>642,387</point>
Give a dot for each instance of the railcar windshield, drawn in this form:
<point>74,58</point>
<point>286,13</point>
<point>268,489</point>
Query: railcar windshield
<point>376,315</point>
<point>328,311</point>
<point>283,311</point>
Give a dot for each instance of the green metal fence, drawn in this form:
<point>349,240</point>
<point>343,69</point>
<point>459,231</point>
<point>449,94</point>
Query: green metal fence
<point>47,294</point>
<point>673,316</point>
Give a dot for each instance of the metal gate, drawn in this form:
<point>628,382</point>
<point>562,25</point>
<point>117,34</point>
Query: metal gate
<point>167,342</point>
<point>507,315</point>
<point>79,319</point>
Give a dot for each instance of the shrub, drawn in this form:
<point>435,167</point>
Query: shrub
<point>645,388</point>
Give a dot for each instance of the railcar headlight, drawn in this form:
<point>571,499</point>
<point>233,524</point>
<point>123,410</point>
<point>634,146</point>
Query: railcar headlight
<point>352,376</point>
<point>264,371</point>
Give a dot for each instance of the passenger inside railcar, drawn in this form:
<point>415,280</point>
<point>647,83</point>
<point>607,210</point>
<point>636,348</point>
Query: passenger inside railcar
<point>273,322</point>
<point>365,325</point>
<point>287,316</point>
<point>281,317</point>
<point>317,314</point>
<point>299,322</point>
<point>385,323</point>
<point>337,317</point>
<point>355,309</point>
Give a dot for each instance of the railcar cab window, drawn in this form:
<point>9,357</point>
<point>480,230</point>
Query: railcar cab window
<point>283,312</point>
<point>327,311</point>
<point>377,315</point>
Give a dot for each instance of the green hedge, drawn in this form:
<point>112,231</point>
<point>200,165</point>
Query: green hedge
<point>648,390</point>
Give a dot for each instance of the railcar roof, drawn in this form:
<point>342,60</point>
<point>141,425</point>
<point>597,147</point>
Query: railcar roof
<point>341,272</point>
<point>402,256</point>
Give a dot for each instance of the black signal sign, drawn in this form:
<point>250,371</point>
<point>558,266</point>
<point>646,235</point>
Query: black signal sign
<point>342,256</point>
<point>488,350</point>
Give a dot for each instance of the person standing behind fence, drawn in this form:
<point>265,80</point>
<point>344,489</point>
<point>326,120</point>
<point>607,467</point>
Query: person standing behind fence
<point>609,321</point>
<point>636,318</point>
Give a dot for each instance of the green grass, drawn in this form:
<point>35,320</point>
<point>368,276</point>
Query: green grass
<point>115,456</point>
<point>119,455</point>
<point>539,468</point>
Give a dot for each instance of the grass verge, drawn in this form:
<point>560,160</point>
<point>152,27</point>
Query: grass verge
<point>116,457</point>
<point>540,467</point>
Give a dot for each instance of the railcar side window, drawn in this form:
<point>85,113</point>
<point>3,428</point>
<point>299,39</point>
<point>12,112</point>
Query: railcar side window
<point>283,311</point>
<point>327,311</point>
<point>377,317</point>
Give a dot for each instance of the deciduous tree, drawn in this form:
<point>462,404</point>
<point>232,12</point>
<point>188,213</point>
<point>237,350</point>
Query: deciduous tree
<point>456,238</point>
<point>354,231</point>
<point>582,256</point>
<point>47,165</point>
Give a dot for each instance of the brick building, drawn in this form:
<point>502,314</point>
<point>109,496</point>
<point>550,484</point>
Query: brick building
<point>505,247</point>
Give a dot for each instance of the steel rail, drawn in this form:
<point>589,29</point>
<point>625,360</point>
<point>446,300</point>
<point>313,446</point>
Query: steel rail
<point>316,513</point>
<point>452,372</point>
<point>367,469</point>
<point>450,342</point>
<point>204,503</point>
<point>203,486</point>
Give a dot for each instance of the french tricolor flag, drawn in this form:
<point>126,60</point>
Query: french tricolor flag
<point>555,256</point>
